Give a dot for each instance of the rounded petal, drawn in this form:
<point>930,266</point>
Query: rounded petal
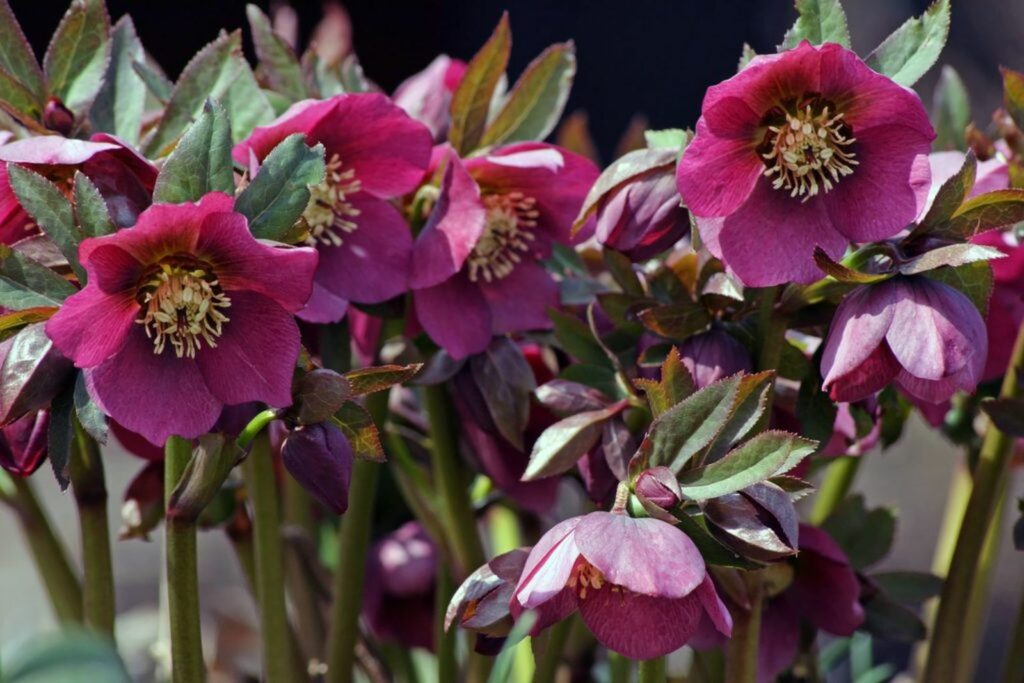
<point>716,174</point>
<point>255,355</point>
<point>456,316</point>
<point>52,150</point>
<point>779,639</point>
<point>520,300</point>
<point>320,458</point>
<point>549,565</point>
<point>640,626</point>
<point>323,306</point>
<point>857,331</point>
<point>714,608</point>
<point>91,325</point>
<point>645,555</point>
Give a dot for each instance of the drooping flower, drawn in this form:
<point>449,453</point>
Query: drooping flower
<point>803,149</point>
<point>922,334</point>
<point>401,574</point>
<point>427,96</point>
<point>712,355</point>
<point>475,269</point>
<point>183,314</point>
<point>640,585</point>
<point>1006,305</point>
<point>375,152</point>
<point>23,443</point>
<point>482,603</point>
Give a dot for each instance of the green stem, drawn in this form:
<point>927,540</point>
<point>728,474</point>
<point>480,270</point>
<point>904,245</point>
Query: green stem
<point>87,480</point>
<point>771,327</point>
<point>1013,667</point>
<point>551,659</point>
<point>298,514</point>
<point>651,671</point>
<point>457,512</point>
<point>255,427</point>
<point>989,481</point>
<point>48,552</point>
<point>182,574</point>
<point>834,487</point>
<point>447,665</point>
<point>280,662</point>
<point>741,651</point>
<point>618,668</point>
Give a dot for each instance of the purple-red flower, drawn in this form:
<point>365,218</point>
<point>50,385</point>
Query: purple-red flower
<point>374,153</point>
<point>399,601</point>
<point>183,314</point>
<point>1006,306</point>
<point>923,334</point>
<point>475,269</point>
<point>712,355</point>
<point>427,96</point>
<point>640,584</point>
<point>803,149</point>
<point>23,443</point>
<point>320,458</point>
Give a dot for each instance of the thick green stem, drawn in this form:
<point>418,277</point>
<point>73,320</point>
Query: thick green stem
<point>741,651</point>
<point>90,488</point>
<point>312,630</point>
<point>447,665</point>
<point>457,512</point>
<point>48,552</point>
<point>771,326</point>
<point>280,662</point>
<point>989,482</point>
<point>651,671</point>
<point>551,659</point>
<point>834,487</point>
<point>619,668</point>
<point>1013,667</point>
<point>182,574</point>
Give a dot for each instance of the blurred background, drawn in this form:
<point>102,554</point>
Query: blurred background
<point>643,57</point>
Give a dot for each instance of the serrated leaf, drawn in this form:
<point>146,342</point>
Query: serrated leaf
<point>984,212</point>
<point>278,63</point>
<point>820,21</point>
<point>91,214</point>
<point>973,279</point>
<point>563,443</point>
<point>472,99</point>
<point>51,210</point>
<point>676,321</point>
<point>1013,94</point>
<point>505,381</point>
<point>156,83</point>
<point>626,169</point>
<point>247,103</point>
<point>914,47</point>
<point>675,384</point>
<point>755,461</point>
<point>370,380</point>
<point>575,338</point>
<point>201,162</point>
<point>358,427</point>
<point>318,395</point>
<point>748,407</point>
<point>25,283</point>
<point>17,59</point>
<point>89,414</point>
<point>279,193</point>
<point>76,60</point>
<point>746,56</point>
<point>951,111</point>
<point>536,101</point>
<point>951,255</point>
<point>121,100</point>
<point>18,98</point>
<point>33,372</point>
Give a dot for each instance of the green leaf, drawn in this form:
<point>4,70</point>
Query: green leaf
<point>563,443</point>
<point>59,435</point>
<point>764,455</point>
<point>506,382</point>
<point>627,169</point>
<point>67,656</point>
<point>91,214</point>
<point>472,99</point>
<point>864,535</point>
<point>1013,94</point>
<point>278,64</point>
<point>358,427</point>
<point>888,619</point>
<point>621,269</point>
<point>950,255</point>
<point>815,411</point>
<point>378,378</point>
<point>506,657</point>
<point>33,373</point>
<point>668,138</point>
<point>984,212</point>
<point>17,58</point>
<point>156,83</point>
<point>676,321</point>
<point>575,338</point>
<point>18,97</point>
<point>51,210</point>
<point>820,21</point>
<point>746,56</point>
<point>13,322</point>
<point>120,102</point>
<point>25,283</point>
<point>201,162</point>
<point>675,384</point>
<point>973,279</point>
<point>247,104</point>
<point>949,198</point>
<point>92,419</point>
<point>951,111</point>
<point>279,193</point>
<point>76,60</point>
<point>914,47</point>
<point>747,409</point>
<point>318,395</point>
<point>843,273</point>
<point>711,549</point>
<point>906,586</point>
<point>536,101</point>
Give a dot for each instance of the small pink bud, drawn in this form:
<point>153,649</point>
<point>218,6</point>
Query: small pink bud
<point>57,117</point>
<point>659,486</point>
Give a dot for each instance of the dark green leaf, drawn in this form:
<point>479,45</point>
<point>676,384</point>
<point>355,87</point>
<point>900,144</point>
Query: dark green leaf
<point>911,587</point>
<point>865,536</point>
<point>48,206</point>
<point>815,411</point>
<point>370,380</point>
<point>201,162</point>
<point>156,83</point>
<point>951,111</point>
<point>888,619</point>
<point>563,443</point>
<point>358,427</point>
<point>711,549</point>
<point>19,98</point>
<point>621,270</point>
<point>575,339</point>
<point>91,214</point>
<point>973,279</point>
<point>211,462</point>
<point>601,377</point>
<point>951,255</point>
<point>17,59</point>
<point>913,48</point>
<point>755,461</point>
<point>318,395</point>
<point>60,434</point>
<point>984,212</point>
<point>820,21</point>
<point>1007,414</point>
<point>676,321</point>
<point>279,193</point>
<point>472,99</point>
<point>25,283</point>
<point>505,381</point>
<point>950,196</point>
<point>278,63</point>
<point>120,103</point>
<point>33,373</point>
<point>89,414</point>
<point>77,57</point>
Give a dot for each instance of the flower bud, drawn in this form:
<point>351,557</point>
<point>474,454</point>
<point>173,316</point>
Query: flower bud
<point>712,355</point>
<point>320,458</point>
<point>659,486</point>
<point>57,117</point>
<point>23,443</point>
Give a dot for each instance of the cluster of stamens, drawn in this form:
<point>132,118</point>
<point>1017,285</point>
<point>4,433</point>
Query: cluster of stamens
<point>511,219</point>
<point>329,213</point>
<point>586,576</point>
<point>182,306</point>
<point>809,151</point>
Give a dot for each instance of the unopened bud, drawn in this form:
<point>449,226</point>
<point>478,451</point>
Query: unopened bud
<point>57,117</point>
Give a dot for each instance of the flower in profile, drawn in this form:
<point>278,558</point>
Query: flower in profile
<point>807,148</point>
<point>712,355</point>
<point>475,268</point>
<point>640,585</point>
<point>23,443</point>
<point>400,577</point>
<point>183,314</point>
<point>320,458</point>
<point>922,334</point>
<point>427,96</point>
<point>1006,305</point>
<point>375,152</point>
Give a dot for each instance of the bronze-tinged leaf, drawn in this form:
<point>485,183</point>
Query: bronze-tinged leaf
<point>358,427</point>
<point>370,380</point>
<point>33,372</point>
<point>472,99</point>
<point>842,273</point>
<point>677,320</point>
<point>675,385</point>
<point>318,395</point>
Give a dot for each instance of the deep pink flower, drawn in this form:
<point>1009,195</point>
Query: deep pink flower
<point>374,153</point>
<point>183,314</point>
<point>400,577</point>
<point>427,96</point>
<point>475,269</point>
<point>803,149</point>
<point>640,584</point>
<point>1006,306</point>
<point>850,437</point>
<point>923,334</point>
<point>712,355</point>
<point>23,443</point>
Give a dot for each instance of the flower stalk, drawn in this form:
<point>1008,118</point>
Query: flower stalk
<point>651,670</point>
<point>837,483</point>
<point>741,651</point>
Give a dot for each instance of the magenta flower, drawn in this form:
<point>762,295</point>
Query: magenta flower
<point>1006,306</point>
<point>803,149</point>
<point>475,269</point>
<point>427,96</point>
<point>23,443</point>
<point>183,314</point>
<point>712,355</point>
<point>399,601</point>
<point>640,584</point>
<point>374,153</point>
<point>923,334</point>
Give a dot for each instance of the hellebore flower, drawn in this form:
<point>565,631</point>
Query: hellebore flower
<point>850,435</point>
<point>1006,305</point>
<point>375,153</point>
<point>482,602</point>
<point>712,355</point>
<point>427,96</point>
<point>645,216</point>
<point>640,584</point>
<point>475,268</point>
<point>320,458</point>
<point>23,443</point>
<point>803,149</point>
<point>400,576</point>
<point>183,314</point>
<point>923,334</point>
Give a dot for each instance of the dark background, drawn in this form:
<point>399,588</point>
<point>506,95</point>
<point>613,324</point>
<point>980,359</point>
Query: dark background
<point>654,57</point>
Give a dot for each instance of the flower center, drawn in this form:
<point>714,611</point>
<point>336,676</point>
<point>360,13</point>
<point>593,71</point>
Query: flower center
<point>508,232</point>
<point>329,213</point>
<point>182,305</point>
<point>808,151</point>
<point>586,576</point>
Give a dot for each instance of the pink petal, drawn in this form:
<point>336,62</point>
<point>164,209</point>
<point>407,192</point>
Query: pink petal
<point>52,149</point>
<point>714,608</point>
<point>716,174</point>
<point>323,306</point>
<point>640,626</point>
<point>779,639</point>
<point>520,300</point>
<point>858,329</point>
<point>549,565</point>
<point>91,325</point>
<point>456,316</point>
<point>113,269</point>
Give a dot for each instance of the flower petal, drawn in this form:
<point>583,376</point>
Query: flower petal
<point>857,331</point>
<point>716,174</point>
<point>323,306</point>
<point>640,626</point>
<point>91,325</point>
<point>549,565</point>
<point>520,300</point>
<point>456,316</point>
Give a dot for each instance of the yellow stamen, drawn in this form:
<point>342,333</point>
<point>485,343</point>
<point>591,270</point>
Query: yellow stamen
<point>329,213</point>
<point>810,152</point>
<point>586,576</point>
<point>182,306</point>
<point>508,233</point>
